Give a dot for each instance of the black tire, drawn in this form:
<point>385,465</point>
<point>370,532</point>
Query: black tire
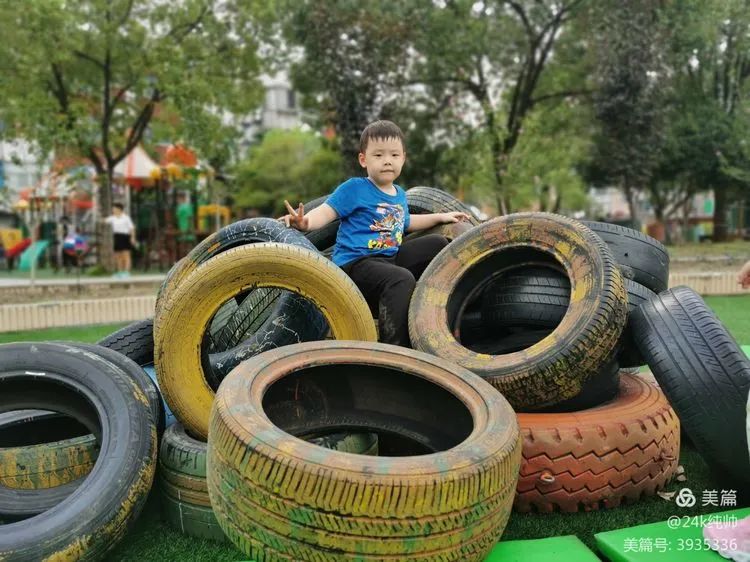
<point>703,372</point>
<point>21,503</point>
<point>10,420</point>
<point>425,200</point>
<point>135,341</point>
<point>132,368</point>
<point>646,256</point>
<point>537,298</point>
<point>17,504</point>
<point>533,297</point>
<point>89,522</point>
<point>629,355</point>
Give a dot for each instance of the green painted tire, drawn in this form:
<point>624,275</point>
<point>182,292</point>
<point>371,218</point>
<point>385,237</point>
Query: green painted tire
<point>192,520</point>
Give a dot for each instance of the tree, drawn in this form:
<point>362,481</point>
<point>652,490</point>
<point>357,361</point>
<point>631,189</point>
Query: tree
<point>545,164</point>
<point>89,76</point>
<point>710,60</point>
<point>629,101</point>
<point>292,165</point>
<point>350,49</point>
<point>498,53</point>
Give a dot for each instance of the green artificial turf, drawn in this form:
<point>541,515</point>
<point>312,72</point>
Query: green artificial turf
<point>88,334</point>
<point>734,312</point>
<point>152,540</point>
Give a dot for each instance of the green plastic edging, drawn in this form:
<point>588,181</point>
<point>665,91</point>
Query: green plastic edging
<point>674,545</point>
<point>553,549</point>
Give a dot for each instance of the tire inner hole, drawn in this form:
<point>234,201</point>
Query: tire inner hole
<point>467,305</point>
<point>408,413</point>
<point>254,321</point>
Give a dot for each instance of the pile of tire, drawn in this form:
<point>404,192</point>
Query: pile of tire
<point>78,441</point>
<point>522,391</point>
<point>542,306</point>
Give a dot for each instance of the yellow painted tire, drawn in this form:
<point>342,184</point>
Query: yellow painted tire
<point>187,313</point>
<point>61,451</point>
<point>278,497</point>
<point>555,368</point>
<point>48,465</point>
<point>240,233</point>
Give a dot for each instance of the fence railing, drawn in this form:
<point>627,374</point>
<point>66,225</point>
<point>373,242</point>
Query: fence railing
<point>709,283</point>
<point>52,314</point>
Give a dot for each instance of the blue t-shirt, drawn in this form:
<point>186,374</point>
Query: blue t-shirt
<point>372,222</point>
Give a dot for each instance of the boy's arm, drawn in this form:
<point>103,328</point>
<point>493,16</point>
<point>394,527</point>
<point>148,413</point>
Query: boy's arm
<point>320,216</point>
<point>422,222</point>
<point>315,219</point>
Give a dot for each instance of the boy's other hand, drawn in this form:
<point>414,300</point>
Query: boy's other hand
<point>295,219</point>
<point>454,216</point>
<point>743,277</point>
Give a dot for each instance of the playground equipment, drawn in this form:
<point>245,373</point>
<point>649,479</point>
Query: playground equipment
<point>212,217</point>
<point>32,254</point>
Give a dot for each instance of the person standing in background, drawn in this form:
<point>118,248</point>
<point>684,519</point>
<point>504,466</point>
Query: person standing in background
<point>124,239</point>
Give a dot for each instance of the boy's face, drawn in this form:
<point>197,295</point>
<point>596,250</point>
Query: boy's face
<point>383,159</point>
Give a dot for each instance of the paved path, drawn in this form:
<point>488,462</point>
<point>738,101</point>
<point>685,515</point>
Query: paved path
<point>136,279</point>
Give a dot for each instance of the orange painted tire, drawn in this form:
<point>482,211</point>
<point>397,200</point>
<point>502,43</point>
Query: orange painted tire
<point>555,368</point>
<point>599,457</point>
<point>278,497</point>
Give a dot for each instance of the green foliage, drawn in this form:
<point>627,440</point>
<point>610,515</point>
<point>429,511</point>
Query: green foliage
<point>630,98</point>
<point>487,65</point>
<point>706,148</point>
<point>89,76</point>
<point>293,165</point>
<point>544,166</point>
<point>352,50</point>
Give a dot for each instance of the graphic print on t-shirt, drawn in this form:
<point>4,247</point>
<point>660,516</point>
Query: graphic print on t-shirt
<point>390,228</point>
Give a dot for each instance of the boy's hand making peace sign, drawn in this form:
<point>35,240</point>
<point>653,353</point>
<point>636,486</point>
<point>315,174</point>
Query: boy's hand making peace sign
<point>295,219</point>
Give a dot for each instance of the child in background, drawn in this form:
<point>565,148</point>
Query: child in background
<point>374,216</point>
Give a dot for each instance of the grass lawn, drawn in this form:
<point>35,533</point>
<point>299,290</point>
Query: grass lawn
<point>88,334</point>
<point>152,540</point>
<point>737,249</point>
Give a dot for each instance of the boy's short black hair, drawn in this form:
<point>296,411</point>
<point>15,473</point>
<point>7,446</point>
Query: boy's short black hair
<point>118,206</point>
<point>380,130</point>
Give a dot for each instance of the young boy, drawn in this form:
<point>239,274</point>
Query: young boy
<point>374,215</point>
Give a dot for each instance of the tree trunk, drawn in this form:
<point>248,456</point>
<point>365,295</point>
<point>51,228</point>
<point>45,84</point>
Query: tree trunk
<point>721,229</point>
<point>630,196</point>
<point>103,231</point>
<point>503,205</point>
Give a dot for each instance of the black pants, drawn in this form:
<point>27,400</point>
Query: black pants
<point>388,282</point>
